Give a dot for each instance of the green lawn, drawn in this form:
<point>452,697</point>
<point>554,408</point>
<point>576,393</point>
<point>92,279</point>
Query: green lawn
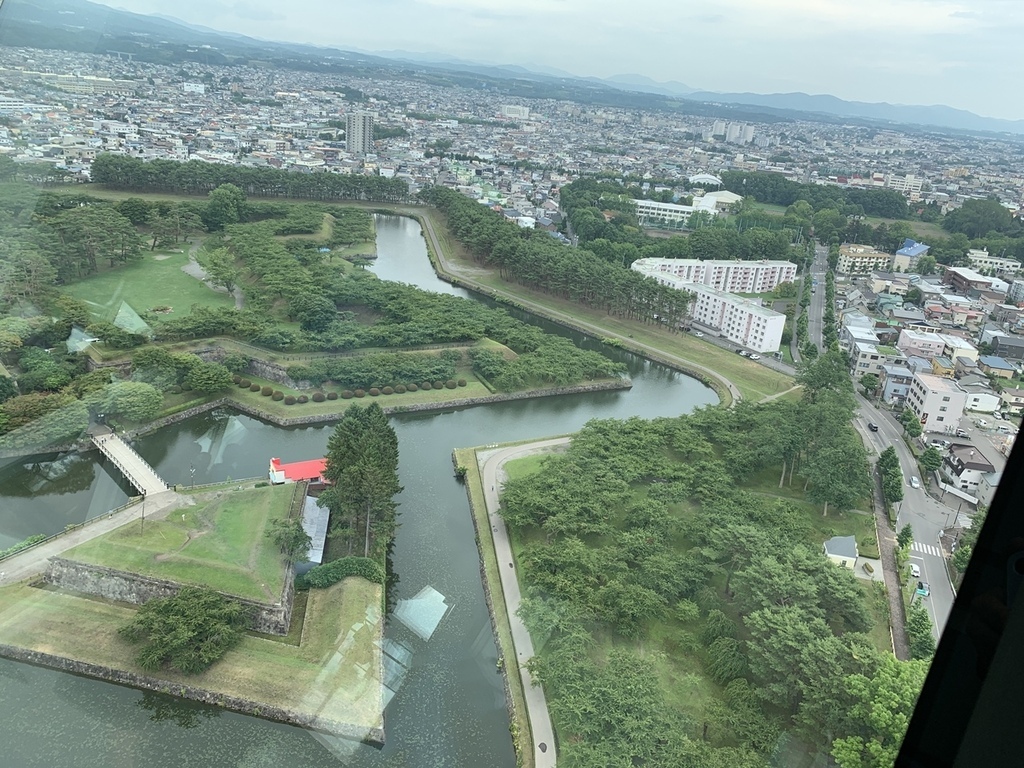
<point>322,234</point>
<point>219,543</point>
<point>525,466</point>
<point>154,281</point>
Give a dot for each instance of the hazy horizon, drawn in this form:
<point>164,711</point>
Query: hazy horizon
<point>912,52</point>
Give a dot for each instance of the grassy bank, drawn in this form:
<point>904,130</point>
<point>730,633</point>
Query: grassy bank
<point>342,626</point>
<point>220,543</point>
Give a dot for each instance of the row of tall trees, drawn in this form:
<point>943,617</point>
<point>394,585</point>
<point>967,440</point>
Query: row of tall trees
<point>533,259</point>
<point>774,189</point>
<point>196,177</point>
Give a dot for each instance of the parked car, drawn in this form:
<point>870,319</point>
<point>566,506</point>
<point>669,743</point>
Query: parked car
<point>915,482</point>
<point>755,357</point>
<point>872,426</point>
<point>961,433</point>
<point>698,334</point>
<point>915,571</point>
<point>742,352</point>
<point>923,589</point>
<point>982,423</point>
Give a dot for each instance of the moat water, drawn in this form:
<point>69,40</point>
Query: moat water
<point>449,709</point>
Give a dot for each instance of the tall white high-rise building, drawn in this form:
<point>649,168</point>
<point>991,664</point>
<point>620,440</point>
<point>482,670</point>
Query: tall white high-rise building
<point>359,132</point>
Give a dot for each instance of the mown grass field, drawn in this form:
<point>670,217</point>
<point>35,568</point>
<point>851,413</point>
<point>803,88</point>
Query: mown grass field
<point>156,280</point>
<point>342,626</point>
<point>219,543</point>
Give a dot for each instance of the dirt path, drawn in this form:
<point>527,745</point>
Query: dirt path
<point>194,269</point>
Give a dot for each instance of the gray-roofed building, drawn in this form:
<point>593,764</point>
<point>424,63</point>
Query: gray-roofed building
<point>842,550</point>
<point>1008,347</point>
<point>996,366</point>
<point>895,383</point>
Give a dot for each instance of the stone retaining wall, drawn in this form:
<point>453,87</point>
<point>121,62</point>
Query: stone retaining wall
<point>374,736</point>
<point>125,587</point>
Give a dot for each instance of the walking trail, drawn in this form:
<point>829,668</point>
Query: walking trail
<point>492,465</point>
<point>32,561</point>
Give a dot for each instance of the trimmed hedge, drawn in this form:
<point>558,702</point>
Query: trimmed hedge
<point>461,382</point>
<point>318,397</point>
<point>186,387</point>
<point>332,395</point>
<point>301,399</point>
<point>290,400</point>
<point>425,386</point>
<point>245,383</point>
<point>254,387</point>
<point>388,391</point>
<point>438,384</point>
<point>400,389</point>
<point>236,379</point>
<point>374,392</point>
<point>278,395</point>
<point>360,393</point>
<point>413,387</point>
<point>328,574</point>
<point>450,384</point>
<point>267,391</point>
<point>176,390</point>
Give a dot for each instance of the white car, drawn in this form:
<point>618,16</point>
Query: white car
<point>915,571</point>
<point>755,357</point>
<point>982,423</point>
<point>698,334</point>
<point>914,482</point>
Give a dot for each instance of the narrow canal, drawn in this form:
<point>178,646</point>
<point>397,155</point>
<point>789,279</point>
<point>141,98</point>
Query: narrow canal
<point>449,709</point>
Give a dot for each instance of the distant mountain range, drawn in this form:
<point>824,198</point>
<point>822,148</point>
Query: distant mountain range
<point>81,25</point>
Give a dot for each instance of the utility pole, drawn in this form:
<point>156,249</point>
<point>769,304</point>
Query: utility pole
<point>142,528</point>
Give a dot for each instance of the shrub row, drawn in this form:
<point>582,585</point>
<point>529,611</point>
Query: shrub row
<point>322,576</point>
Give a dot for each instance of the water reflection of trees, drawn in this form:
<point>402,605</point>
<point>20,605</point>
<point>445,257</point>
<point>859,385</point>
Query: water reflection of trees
<point>181,712</point>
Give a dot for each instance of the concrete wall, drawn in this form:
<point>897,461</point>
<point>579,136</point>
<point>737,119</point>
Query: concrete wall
<point>125,587</point>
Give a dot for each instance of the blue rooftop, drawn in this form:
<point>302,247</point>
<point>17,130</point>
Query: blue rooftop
<point>912,248</point>
<point>994,361</point>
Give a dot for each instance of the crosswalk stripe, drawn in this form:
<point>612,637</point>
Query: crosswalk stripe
<point>928,549</point>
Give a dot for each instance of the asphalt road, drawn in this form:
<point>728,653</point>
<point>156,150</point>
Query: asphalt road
<point>922,512</point>
<point>817,308</point>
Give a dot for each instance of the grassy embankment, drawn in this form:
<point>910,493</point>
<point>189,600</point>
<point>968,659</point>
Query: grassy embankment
<point>685,684</point>
<point>332,672</point>
<point>219,543</point>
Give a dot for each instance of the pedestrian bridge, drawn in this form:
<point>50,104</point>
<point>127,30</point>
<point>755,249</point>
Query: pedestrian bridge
<point>132,466</point>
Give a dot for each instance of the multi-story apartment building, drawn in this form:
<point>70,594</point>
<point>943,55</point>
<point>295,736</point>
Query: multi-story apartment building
<point>732,276</point>
<point>937,402</point>
<point>861,260</point>
<point>895,383</point>
<point>980,260</point>
<point>866,358</point>
<point>739,320</point>
<point>1016,293</point>
<point>910,185</point>
<point>359,132</point>
<point>927,345</point>
<point>964,280</point>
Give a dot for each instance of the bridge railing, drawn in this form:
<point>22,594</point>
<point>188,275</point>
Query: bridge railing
<point>101,441</point>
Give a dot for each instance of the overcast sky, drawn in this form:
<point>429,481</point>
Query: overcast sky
<point>963,54</point>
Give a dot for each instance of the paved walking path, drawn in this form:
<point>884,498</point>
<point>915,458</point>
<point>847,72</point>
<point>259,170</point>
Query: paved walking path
<point>492,469</point>
<point>132,466</point>
<point>595,330</point>
<point>32,562</point>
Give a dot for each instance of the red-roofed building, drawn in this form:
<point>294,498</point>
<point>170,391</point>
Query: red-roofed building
<point>311,470</point>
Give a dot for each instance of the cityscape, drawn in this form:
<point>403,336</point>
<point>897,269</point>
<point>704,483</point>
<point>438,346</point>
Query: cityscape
<point>623,429</point>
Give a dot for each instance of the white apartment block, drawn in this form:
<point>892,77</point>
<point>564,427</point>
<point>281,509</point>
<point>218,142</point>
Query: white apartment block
<point>917,344</point>
<point>732,276</point>
<point>739,320</point>
<point>653,213</point>
<point>866,358</point>
<point>861,260</point>
<point>514,110</point>
<point>1016,293</point>
<point>981,261</point>
<point>937,402</point>
<point>909,185</point>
